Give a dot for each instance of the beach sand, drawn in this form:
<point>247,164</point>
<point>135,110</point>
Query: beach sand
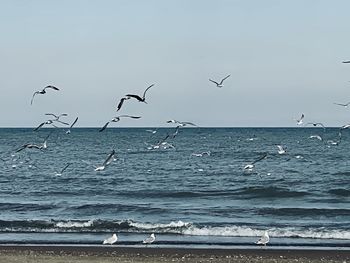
<point>56,254</point>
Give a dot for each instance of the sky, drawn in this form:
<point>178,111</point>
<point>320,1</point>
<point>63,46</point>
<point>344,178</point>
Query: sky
<point>284,58</point>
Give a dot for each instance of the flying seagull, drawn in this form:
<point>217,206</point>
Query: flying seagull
<point>29,146</point>
<point>71,126</point>
<point>342,104</point>
<point>110,158</point>
<point>316,124</point>
<point>43,91</point>
<point>201,154</point>
<point>264,239</point>
<point>64,168</point>
<point>57,117</point>
<point>345,126</point>
<point>182,123</point>
<point>150,239</point>
<point>49,122</point>
<point>281,150</point>
<point>220,84</point>
<point>116,119</point>
<point>318,137</point>
<point>300,121</point>
<point>120,104</point>
<point>111,240</point>
<point>250,166</point>
<point>140,99</point>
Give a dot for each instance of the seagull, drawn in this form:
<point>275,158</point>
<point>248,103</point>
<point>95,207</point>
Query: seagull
<point>280,149</point>
<point>182,123</point>
<point>43,91</point>
<point>120,104</point>
<point>219,85</point>
<point>250,166</point>
<point>110,158</point>
<point>300,121</point>
<point>316,124</point>
<point>64,168</point>
<point>346,61</point>
<point>57,117</point>
<point>150,239</point>
<point>143,99</point>
<point>341,104</point>
<point>74,122</point>
<point>318,137</point>
<point>264,239</point>
<point>49,122</point>
<point>111,240</point>
<point>44,146</point>
<point>201,154</point>
<point>345,126</point>
<point>151,131</point>
<point>116,119</point>
<point>29,146</point>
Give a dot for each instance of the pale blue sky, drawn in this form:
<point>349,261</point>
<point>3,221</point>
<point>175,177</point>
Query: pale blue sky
<point>284,58</point>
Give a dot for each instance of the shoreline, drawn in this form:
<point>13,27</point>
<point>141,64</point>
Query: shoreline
<point>115,253</point>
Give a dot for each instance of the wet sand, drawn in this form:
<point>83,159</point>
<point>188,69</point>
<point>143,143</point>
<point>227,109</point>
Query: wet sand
<point>58,254</point>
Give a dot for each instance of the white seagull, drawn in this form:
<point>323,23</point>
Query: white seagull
<point>300,121</point>
<point>150,239</point>
<point>111,240</point>
<point>110,158</point>
<point>219,84</point>
<point>116,119</point>
<point>182,123</point>
<point>318,137</point>
<point>43,91</point>
<point>264,239</point>
<point>342,104</point>
<point>74,122</point>
<point>281,150</point>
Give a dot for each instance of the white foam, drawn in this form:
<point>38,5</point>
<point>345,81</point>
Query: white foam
<point>147,226</point>
<point>71,224</point>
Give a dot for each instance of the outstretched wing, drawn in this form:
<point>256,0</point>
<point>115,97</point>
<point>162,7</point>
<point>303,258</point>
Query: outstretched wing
<point>222,81</point>
<point>74,122</point>
<point>41,125</point>
<point>144,93</point>
<point>37,92</point>
<point>134,96</point>
<point>120,104</point>
<point>341,104</point>
<point>260,158</point>
<point>104,127</point>
<point>217,84</point>
<point>64,168</point>
<point>109,158</point>
<point>22,147</point>
<point>188,123</point>
<point>51,114</point>
<point>129,116</point>
<point>346,61</point>
<point>51,87</point>
<point>65,123</point>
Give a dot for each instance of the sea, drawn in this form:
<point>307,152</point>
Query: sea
<point>189,188</point>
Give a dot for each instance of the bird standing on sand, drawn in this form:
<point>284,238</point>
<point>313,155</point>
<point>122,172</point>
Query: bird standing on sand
<point>220,84</point>
<point>140,99</point>
<point>116,119</point>
<point>111,240</point>
<point>264,239</point>
<point>150,239</point>
<point>43,91</point>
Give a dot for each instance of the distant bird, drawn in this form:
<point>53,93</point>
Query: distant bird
<point>345,126</point>
<point>346,61</point>
<point>43,91</point>
<point>150,239</point>
<point>201,154</point>
<point>151,131</point>
<point>300,121</point>
<point>57,117</point>
<point>49,122</point>
<point>64,168</point>
<point>318,137</point>
<point>71,126</point>
<point>264,239</point>
<point>219,84</point>
<point>140,99</point>
<point>44,145</point>
<point>316,124</point>
<point>29,146</point>
<point>120,104</point>
<point>250,166</point>
<point>111,240</point>
<point>182,123</point>
<point>342,104</point>
<point>281,150</point>
<point>110,158</point>
<point>116,119</point>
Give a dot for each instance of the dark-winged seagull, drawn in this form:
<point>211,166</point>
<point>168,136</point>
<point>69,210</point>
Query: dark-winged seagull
<point>50,122</point>
<point>120,104</point>
<point>64,168</point>
<point>43,91</point>
<point>110,158</point>
<point>300,121</point>
<point>140,99</point>
<point>250,166</point>
<point>71,126</point>
<point>220,84</point>
<point>116,119</point>
<point>182,123</point>
<point>29,146</point>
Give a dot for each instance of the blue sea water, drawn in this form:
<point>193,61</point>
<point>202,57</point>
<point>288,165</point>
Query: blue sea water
<point>301,197</point>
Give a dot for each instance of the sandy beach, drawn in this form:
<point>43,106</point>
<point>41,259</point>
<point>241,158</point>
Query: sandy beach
<point>12,254</point>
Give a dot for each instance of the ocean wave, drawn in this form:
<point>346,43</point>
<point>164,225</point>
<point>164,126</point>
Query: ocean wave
<point>270,192</point>
<point>174,227</point>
